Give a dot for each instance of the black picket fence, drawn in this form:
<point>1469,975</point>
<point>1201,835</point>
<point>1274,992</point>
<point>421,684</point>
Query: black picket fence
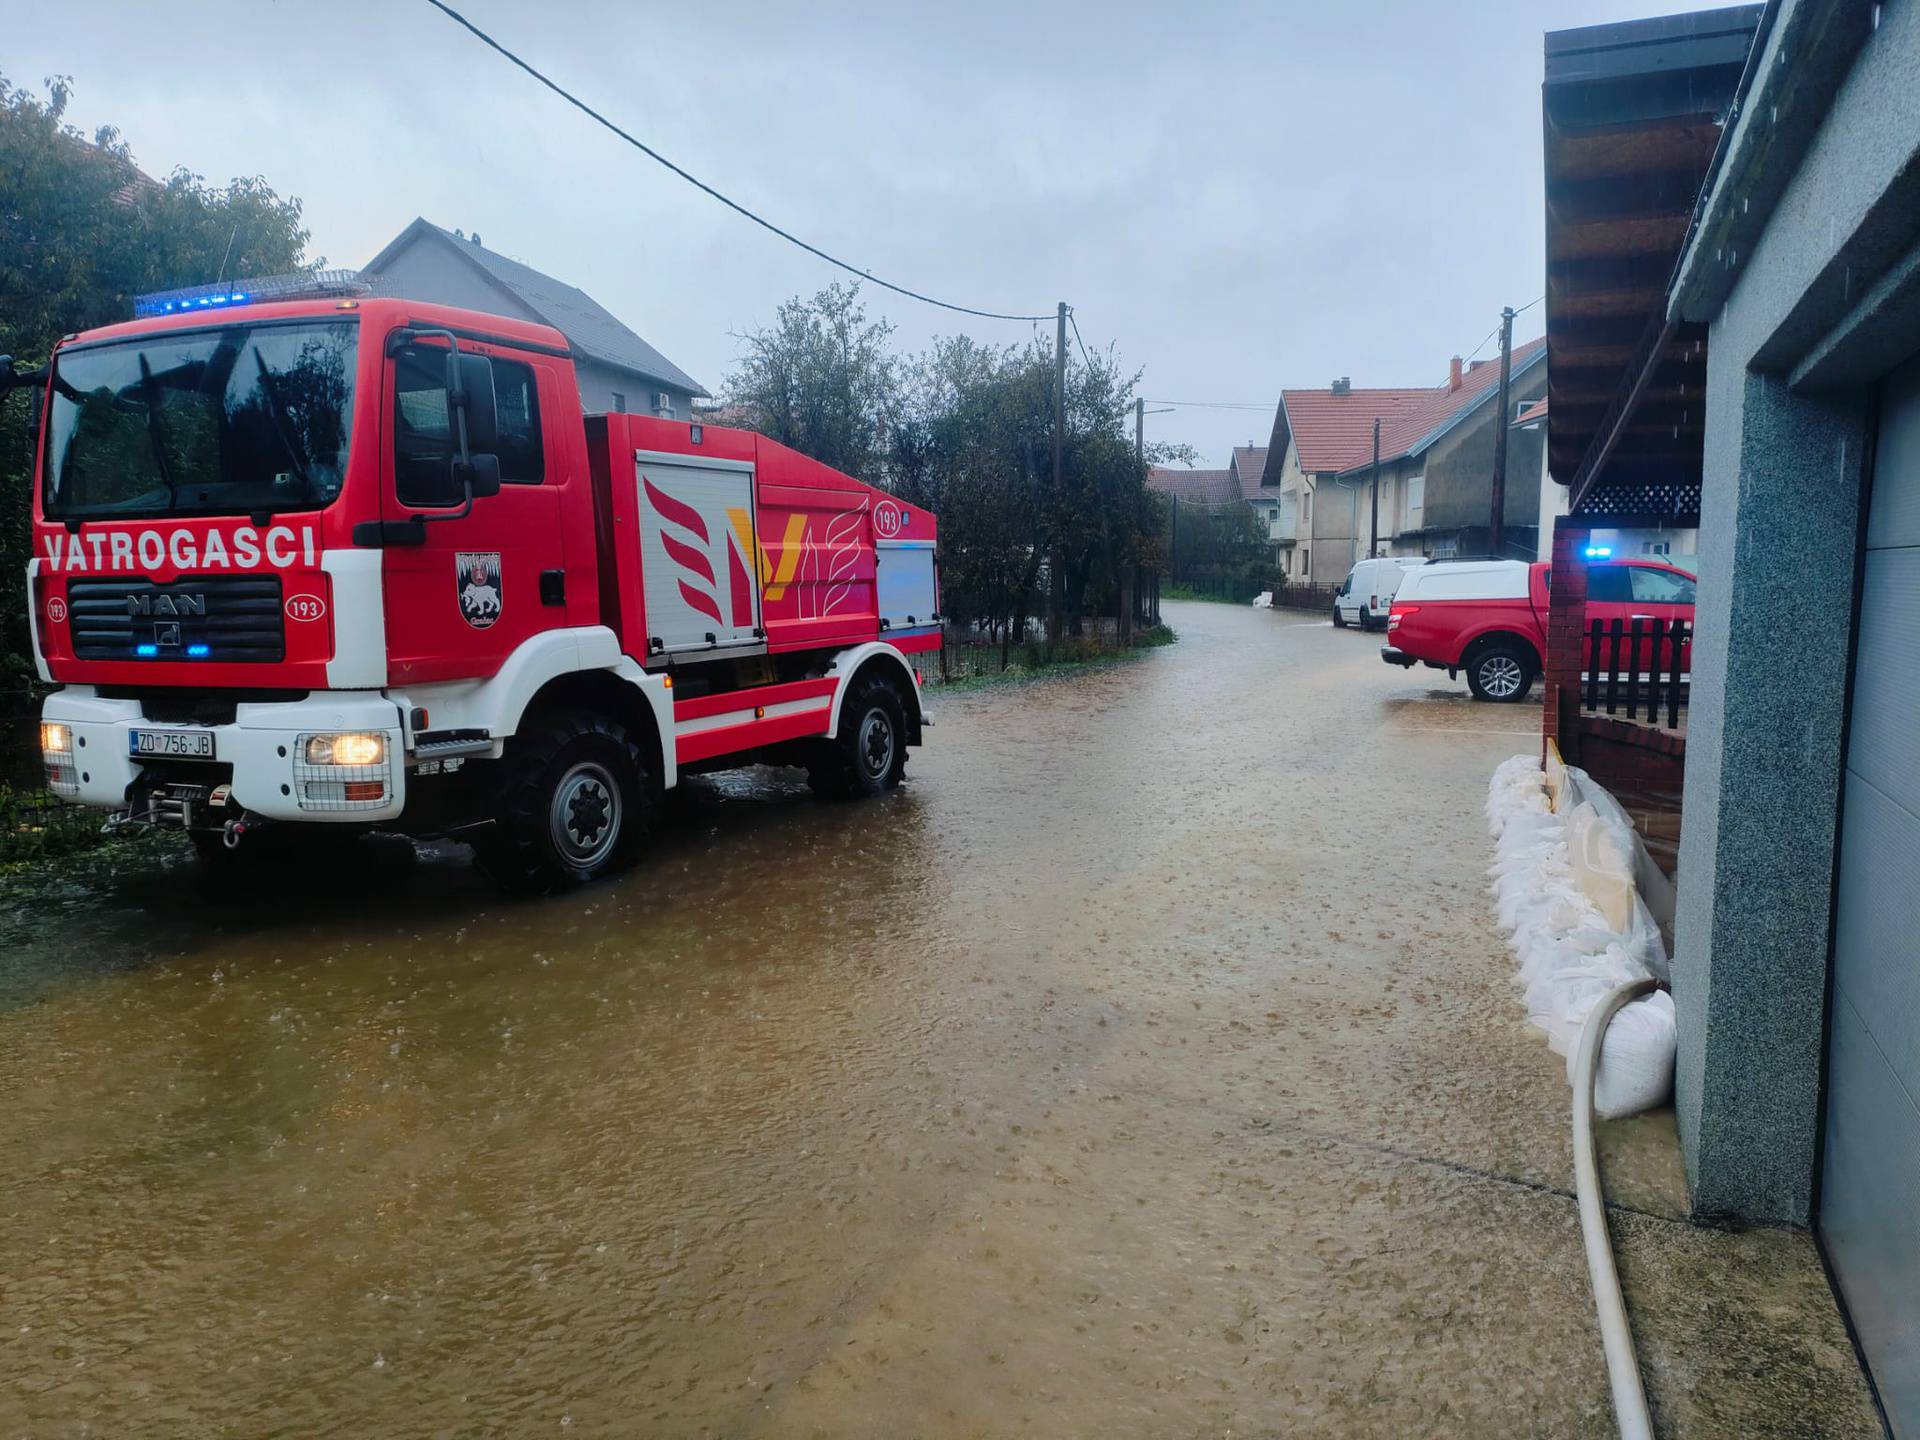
<point>1642,663</point>
<point>1304,597</point>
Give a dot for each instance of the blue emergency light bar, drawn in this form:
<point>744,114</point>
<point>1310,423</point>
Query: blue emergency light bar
<point>146,652</point>
<point>302,285</point>
<point>1599,552</point>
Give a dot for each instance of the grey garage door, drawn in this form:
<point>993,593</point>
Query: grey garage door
<point>1870,1192</point>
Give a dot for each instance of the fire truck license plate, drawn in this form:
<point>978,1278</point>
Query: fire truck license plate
<point>176,744</point>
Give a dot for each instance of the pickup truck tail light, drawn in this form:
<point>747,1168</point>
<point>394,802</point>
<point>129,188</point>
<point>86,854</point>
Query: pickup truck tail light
<point>1399,613</point>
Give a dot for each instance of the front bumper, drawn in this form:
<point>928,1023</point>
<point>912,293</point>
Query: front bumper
<point>259,754</point>
<point>1397,657</point>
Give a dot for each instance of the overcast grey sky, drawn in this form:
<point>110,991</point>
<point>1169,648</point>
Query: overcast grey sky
<point>1238,197</point>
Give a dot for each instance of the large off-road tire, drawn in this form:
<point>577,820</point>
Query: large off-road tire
<point>869,755</point>
<point>1502,673</point>
<point>575,803</point>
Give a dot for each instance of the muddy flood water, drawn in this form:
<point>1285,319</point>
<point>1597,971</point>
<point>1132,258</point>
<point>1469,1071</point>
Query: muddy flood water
<point>1146,1066</point>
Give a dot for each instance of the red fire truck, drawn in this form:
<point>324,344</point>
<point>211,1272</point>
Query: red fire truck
<point>311,557</point>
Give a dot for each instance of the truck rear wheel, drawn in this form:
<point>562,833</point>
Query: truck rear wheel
<point>574,805</point>
<point>1501,673</point>
<point>869,755</point>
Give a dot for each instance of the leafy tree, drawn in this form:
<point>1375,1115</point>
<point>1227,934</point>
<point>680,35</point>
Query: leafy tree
<point>1219,547</point>
<point>966,430</point>
<point>822,380</point>
<point>82,231</point>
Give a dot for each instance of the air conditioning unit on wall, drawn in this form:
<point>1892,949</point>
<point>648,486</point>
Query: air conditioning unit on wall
<point>663,404</point>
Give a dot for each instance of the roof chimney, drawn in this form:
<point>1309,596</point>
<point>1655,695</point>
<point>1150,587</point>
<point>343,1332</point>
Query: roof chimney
<point>1453,374</point>
<point>1343,386</point>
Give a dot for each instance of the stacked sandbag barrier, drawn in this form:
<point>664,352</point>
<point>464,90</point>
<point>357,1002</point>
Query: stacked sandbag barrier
<point>1564,892</point>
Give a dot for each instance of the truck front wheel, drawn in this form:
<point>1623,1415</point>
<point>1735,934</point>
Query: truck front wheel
<point>869,755</point>
<point>574,805</point>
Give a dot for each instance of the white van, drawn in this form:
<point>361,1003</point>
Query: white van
<point>1369,590</point>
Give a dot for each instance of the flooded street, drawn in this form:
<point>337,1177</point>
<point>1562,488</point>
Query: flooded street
<point>1147,1066</point>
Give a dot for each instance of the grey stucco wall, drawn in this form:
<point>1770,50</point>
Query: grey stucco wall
<point>425,271</point>
<point>1779,517</point>
<point>599,382</point>
<point>1460,467</point>
<point>1779,539</point>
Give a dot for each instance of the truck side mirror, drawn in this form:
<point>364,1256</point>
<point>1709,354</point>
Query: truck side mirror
<point>473,412</point>
<point>478,475</point>
<point>470,390</point>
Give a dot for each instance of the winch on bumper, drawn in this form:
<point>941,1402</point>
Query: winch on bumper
<point>330,756</point>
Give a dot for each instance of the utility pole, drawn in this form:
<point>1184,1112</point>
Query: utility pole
<point>1056,577</point>
<point>1373,536</point>
<point>1498,537</point>
<point>1130,583</point>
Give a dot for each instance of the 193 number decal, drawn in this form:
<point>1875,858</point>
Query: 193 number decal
<point>306,607</point>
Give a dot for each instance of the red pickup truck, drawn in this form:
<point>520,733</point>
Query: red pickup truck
<point>1489,617</point>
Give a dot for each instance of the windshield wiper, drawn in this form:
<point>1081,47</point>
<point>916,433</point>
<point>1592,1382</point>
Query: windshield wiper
<point>151,396</point>
<point>280,425</point>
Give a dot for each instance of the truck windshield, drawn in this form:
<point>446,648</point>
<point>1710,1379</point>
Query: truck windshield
<point>241,419</point>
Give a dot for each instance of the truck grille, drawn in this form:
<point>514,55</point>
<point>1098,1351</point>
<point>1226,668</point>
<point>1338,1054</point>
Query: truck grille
<point>207,617</point>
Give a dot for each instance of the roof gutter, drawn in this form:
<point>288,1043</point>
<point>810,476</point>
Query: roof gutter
<point>1801,52</point>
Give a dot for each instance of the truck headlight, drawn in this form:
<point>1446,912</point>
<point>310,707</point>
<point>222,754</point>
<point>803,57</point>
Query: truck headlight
<point>353,748</point>
<point>56,753</point>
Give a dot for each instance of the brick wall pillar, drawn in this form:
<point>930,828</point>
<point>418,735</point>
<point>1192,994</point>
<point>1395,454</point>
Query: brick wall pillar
<point>1566,646</point>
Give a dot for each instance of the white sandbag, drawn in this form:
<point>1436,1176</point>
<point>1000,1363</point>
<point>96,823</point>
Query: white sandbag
<point>1563,890</point>
<point>1602,867</point>
<point>1636,1058</point>
<point>1650,882</point>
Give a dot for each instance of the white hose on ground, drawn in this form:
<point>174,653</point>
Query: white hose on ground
<point>1616,1336</point>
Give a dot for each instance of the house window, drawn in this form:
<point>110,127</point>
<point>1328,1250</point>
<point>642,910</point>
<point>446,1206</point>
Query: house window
<point>1306,507</point>
<point>1416,500</point>
<point>1656,547</point>
<point>1306,565</point>
<point>619,403</point>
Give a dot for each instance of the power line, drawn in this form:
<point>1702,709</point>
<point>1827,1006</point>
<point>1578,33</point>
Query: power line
<point>1476,349</point>
<point>1076,335</point>
<point>1496,329</point>
<point>1214,404</point>
<point>484,38</point>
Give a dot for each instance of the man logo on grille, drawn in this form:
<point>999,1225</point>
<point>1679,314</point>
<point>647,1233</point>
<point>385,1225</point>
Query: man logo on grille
<point>477,583</point>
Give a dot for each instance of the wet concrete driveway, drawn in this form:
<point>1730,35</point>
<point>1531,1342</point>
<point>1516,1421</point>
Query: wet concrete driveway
<point>1148,1066</point>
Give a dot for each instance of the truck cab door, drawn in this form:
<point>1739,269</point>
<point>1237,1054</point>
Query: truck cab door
<point>1609,598</point>
<point>460,603</point>
<point>1667,595</point>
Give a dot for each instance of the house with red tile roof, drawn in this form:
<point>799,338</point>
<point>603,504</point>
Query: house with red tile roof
<point>1245,480</point>
<point>1212,488</point>
<point>1436,468</point>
